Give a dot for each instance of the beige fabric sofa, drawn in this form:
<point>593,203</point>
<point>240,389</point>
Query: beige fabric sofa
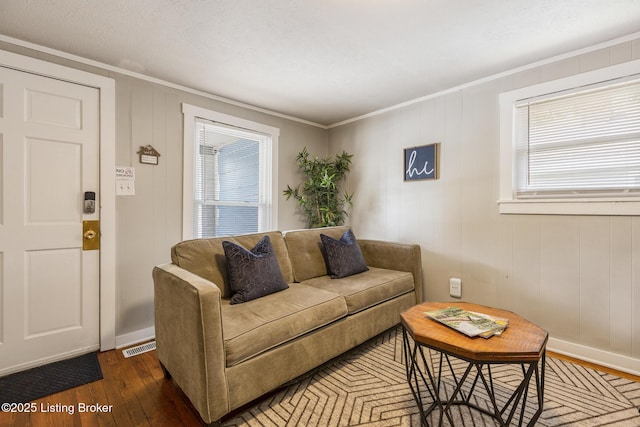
<point>223,356</point>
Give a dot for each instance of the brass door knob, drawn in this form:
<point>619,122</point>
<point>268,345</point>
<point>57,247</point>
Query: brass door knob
<point>91,235</point>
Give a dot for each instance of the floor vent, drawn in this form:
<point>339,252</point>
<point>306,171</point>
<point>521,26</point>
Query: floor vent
<point>134,351</point>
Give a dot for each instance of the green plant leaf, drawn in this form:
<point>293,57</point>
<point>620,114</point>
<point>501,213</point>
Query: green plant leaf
<point>318,195</point>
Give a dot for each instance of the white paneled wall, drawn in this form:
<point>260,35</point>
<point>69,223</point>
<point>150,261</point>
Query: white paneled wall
<point>576,276</point>
<point>150,222</point>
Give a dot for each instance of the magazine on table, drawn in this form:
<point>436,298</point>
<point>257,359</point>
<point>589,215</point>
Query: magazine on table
<point>470,323</point>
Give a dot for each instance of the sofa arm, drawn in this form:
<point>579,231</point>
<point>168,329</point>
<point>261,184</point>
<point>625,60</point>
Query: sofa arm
<point>189,338</point>
<point>395,256</point>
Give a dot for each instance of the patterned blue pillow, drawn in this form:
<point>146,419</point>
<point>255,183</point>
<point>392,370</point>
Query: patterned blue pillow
<point>255,273</point>
<point>343,256</point>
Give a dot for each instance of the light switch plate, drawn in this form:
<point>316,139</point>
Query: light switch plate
<point>125,187</point>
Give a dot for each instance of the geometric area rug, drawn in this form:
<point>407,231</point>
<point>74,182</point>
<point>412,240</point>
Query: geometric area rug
<point>367,386</point>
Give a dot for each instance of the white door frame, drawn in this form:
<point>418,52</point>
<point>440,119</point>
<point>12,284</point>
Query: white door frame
<point>106,87</point>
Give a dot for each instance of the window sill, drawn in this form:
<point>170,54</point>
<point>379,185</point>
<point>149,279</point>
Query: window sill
<point>571,207</point>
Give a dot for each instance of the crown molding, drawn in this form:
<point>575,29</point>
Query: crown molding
<point>128,73</point>
<point>603,45</point>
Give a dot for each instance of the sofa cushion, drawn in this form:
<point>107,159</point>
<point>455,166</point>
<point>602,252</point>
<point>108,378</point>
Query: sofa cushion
<point>343,256</point>
<point>253,273</point>
<point>205,257</point>
<point>259,325</point>
<point>366,289</point>
<point>306,252</point>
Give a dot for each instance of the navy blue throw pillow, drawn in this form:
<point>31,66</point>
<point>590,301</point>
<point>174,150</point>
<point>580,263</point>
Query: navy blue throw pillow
<point>343,256</point>
<point>255,273</point>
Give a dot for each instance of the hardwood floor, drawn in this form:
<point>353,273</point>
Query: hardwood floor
<point>134,392</point>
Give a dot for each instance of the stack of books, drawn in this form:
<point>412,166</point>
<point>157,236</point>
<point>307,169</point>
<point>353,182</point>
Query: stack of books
<point>469,323</point>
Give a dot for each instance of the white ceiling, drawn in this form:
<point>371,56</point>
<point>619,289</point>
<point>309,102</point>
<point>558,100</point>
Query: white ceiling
<point>320,60</point>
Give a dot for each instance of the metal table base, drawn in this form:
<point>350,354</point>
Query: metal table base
<point>511,410</point>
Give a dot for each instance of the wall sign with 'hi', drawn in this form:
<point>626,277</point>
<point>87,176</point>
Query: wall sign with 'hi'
<point>421,162</point>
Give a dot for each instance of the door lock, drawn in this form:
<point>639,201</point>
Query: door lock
<point>89,202</point>
<point>90,235</point>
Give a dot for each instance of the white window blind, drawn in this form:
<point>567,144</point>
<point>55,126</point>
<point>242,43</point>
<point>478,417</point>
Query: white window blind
<point>585,143</point>
<point>227,189</point>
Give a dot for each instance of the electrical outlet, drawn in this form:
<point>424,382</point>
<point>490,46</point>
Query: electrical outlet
<point>455,287</point>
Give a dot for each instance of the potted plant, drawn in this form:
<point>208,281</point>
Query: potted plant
<point>318,196</point>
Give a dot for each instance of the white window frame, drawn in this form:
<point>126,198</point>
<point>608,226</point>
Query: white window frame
<point>269,216</point>
<point>508,204</point>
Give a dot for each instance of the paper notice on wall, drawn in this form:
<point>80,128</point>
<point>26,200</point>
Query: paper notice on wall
<point>125,181</point>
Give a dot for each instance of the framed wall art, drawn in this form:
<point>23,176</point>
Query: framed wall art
<point>422,162</point>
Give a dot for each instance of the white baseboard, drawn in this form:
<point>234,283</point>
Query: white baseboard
<point>136,337</point>
<point>588,354</point>
<point>593,355</point>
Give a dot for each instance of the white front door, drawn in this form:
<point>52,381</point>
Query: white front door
<point>49,285</point>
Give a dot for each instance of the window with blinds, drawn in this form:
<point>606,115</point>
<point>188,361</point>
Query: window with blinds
<point>579,143</point>
<point>228,171</point>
